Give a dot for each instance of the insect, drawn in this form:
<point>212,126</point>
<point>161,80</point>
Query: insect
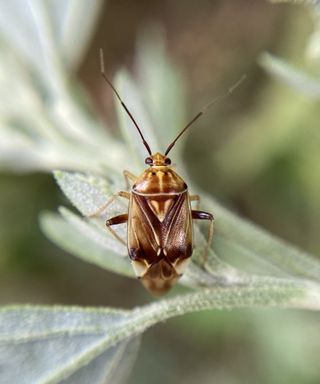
<point>160,217</point>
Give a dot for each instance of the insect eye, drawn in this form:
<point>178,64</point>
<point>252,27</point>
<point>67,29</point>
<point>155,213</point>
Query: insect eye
<point>148,160</point>
<point>167,161</point>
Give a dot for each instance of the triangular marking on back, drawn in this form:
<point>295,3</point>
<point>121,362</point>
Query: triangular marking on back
<point>161,208</point>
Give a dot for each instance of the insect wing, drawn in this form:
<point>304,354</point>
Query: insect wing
<point>144,231</point>
<point>177,229</point>
<point>153,236</point>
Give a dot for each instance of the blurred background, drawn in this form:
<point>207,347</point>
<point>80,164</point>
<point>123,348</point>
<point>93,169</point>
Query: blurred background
<point>257,152</point>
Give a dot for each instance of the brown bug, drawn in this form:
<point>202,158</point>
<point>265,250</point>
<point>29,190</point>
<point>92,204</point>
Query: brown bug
<point>159,218</point>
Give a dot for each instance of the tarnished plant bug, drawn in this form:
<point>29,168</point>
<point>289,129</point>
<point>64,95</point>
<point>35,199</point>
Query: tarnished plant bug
<point>160,217</point>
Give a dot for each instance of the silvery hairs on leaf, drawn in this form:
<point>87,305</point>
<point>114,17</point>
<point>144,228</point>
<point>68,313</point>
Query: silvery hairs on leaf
<point>71,345</point>
<point>33,38</point>
<point>75,345</point>
<point>43,125</point>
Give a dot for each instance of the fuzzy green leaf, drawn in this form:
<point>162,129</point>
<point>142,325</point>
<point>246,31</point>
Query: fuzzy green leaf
<point>65,23</point>
<point>88,193</point>
<point>49,344</point>
<point>86,241</point>
<point>45,121</point>
<point>246,239</point>
<point>62,344</point>
<point>48,25</point>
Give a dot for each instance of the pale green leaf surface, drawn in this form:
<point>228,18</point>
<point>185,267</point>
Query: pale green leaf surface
<point>39,22</point>
<point>43,125</point>
<point>113,366</point>
<point>94,230</point>
<point>83,240</point>
<point>66,15</point>
<point>36,323</point>
<point>57,342</point>
<point>44,361</point>
<point>86,192</point>
<point>246,237</point>
<point>25,39</point>
<point>50,344</point>
<point>120,368</point>
<point>90,194</point>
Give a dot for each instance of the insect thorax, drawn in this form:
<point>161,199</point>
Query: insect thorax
<point>159,179</point>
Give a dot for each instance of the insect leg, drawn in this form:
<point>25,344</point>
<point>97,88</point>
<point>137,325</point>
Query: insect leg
<point>200,215</point>
<point>195,198</point>
<point>128,176</point>
<point>98,212</point>
<point>120,219</point>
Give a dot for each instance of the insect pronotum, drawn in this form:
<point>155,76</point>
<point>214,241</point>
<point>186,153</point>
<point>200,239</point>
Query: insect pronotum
<point>159,217</point>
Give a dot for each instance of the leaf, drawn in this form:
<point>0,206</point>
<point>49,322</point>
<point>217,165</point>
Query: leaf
<point>66,16</point>
<point>246,239</point>
<point>25,39</point>
<point>47,25</point>
<point>46,121</point>
<point>49,344</point>
<point>88,193</point>
<point>96,245</point>
<point>289,75</point>
<point>62,344</point>
<point>113,366</point>
<point>86,241</point>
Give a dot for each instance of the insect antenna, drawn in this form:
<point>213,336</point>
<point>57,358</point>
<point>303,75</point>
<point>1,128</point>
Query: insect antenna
<point>121,101</point>
<point>205,109</point>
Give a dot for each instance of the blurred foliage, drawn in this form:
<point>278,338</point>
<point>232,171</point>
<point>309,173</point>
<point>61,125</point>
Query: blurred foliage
<point>265,167</point>
<point>270,162</point>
